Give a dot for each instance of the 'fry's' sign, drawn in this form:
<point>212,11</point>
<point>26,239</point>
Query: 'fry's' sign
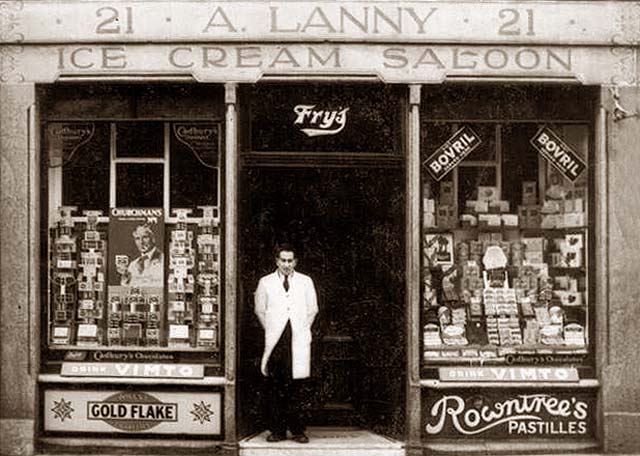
<point>545,415</point>
<point>320,122</point>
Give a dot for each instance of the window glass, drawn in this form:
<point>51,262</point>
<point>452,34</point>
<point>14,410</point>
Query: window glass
<point>81,149</point>
<point>471,178</point>
<point>195,156</point>
<point>520,161</point>
<point>504,264</point>
<point>134,277</point>
<point>139,139</point>
<point>326,118</point>
<point>139,184</point>
<point>486,151</point>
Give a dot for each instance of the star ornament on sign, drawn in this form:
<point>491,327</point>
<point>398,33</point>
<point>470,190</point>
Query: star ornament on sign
<point>202,412</point>
<point>62,409</point>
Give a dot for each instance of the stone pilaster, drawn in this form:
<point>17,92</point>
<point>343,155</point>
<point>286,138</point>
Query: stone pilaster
<point>621,369</point>
<point>19,269</point>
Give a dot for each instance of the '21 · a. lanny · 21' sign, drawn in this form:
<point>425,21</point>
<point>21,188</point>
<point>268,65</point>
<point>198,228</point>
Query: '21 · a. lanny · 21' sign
<point>510,414</point>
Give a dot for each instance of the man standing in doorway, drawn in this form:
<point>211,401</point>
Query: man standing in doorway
<point>286,305</point>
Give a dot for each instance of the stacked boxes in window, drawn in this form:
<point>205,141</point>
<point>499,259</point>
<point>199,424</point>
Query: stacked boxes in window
<point>489,210</point>
<point>566,211</point>
<point>503,323</point>
<point>63,279</point>
<point>428,213</point>
<point>573,209</point>
<point>91,283</point>
<point>134,317</point>
<point>181,313</point>
<point>114,322</point>
<point>567,252</point>
<point>428,208</point>
<point>208,279</point>
<point>470,283</point>
<point>529,212</point>
<point>534,250</point>
<point>447,212</point>
<point>429,295</point>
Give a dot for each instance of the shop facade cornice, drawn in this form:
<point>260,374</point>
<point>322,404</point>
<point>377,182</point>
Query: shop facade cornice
<point>531,23</point>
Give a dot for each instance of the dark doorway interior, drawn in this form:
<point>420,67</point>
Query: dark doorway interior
<point>348,227</point>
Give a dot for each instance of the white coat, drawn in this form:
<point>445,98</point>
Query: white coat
<point>274,307</point>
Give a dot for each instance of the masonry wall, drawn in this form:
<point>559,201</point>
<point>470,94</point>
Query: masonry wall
<point>19,284</point>
<point>621,359</point>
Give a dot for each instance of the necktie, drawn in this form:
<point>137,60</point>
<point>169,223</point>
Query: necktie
<point>141,264</point>
<point>286,283</point>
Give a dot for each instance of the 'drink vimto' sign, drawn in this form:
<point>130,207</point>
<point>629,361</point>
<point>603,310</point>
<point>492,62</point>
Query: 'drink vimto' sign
<point>509,413</point>
<point>452,152</point>
<point>154,412</point>
<point>508,374</point>
<point>558,153</point>
<point>147,370</point>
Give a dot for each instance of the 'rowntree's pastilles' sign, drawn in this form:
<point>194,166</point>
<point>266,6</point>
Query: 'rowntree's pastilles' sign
<point>509,413</point>
<point>452,152</point>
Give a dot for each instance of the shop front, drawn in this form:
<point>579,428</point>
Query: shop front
<point>463,202</point>
<point>507,252</point>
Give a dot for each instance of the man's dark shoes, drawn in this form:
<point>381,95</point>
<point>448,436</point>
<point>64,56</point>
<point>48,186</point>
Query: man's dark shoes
<point>300,438</point>
<point>276,438</point>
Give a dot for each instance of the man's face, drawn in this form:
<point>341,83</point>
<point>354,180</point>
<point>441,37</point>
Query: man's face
<point>286,262</point>
<point>143,238</point>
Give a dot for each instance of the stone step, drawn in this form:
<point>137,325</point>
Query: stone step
<point>325,441</point>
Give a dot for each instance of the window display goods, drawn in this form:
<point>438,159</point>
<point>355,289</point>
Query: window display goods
<point>502,276</point>
<point>130,311</point>
<point>134,237</point>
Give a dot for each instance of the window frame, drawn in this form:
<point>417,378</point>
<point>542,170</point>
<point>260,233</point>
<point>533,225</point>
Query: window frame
<point>589,355</point>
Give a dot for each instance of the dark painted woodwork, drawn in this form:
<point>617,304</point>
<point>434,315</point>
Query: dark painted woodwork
<point>347,225</point>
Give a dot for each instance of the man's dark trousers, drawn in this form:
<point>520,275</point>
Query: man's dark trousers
<point>285,408</point>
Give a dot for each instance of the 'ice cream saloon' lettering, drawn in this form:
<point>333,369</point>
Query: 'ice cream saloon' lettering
<point>320,122</point>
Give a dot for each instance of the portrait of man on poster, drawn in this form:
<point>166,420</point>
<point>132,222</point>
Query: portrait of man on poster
<point>147,270</point>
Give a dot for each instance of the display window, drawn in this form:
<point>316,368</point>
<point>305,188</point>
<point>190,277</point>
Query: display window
<point>506,239</point>
<point>134,252</point>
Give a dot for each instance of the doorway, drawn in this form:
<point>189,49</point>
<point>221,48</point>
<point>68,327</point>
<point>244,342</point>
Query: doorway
<point>347,225</point>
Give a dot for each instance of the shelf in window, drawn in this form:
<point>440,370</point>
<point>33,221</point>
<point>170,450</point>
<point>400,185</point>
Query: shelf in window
<point>132,348</point>
<point>502,228</point>
<point>521,349</point>
<point>559,231</point>
<point>570,271</point>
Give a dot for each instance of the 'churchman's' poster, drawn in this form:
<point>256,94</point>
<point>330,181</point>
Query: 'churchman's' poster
<point>136,265</point>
